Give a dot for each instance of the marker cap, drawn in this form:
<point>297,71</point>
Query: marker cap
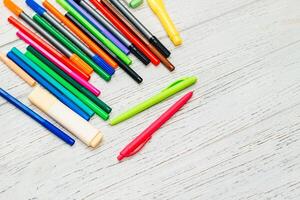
<point>65,117</point>
<point>36,7</point>
<point>13,7</point>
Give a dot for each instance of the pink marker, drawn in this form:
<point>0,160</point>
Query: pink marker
<point>59,64</point>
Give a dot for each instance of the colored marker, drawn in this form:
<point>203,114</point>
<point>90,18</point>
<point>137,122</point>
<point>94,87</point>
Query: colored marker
<point>124,30</point>
<point>172,89</point>
<point>76,65</point>
<point>99,27</point>
<point>15,68</point>
<point>160,10</point>
<point>108,6</point>
<point>66,84</point>
<point>48,47</point>
<point>96,18</point>
<point>130,17</point>
<point>122,65</point>
<point>79,87</point>
<point>46,124</point>
<point>79,34</point>
<point>134,3</point>
<point>139,142</point>
<point>105,72</point>
<point>65,117</point>
<point>53,82</point>
<point>48,86</point>
<point>68,39</point>
<point>49,56</point>
<point>94,31</point>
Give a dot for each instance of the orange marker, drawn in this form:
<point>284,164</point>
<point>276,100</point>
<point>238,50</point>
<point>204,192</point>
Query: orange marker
<point>77,67</point>
<point>15,68</point>
<point>80,34</point>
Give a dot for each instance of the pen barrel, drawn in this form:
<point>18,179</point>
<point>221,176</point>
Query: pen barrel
<point>142,138</point>
<point>167,22</point>
<point>60,134</point>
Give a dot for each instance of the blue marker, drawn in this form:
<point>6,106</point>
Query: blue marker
<point>70,36</point>
<point>53,82</point>
<point>60,134</point>
<point>48,86</point>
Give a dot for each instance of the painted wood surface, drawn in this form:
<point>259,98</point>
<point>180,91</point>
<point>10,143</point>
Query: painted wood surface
<point>238,138</point>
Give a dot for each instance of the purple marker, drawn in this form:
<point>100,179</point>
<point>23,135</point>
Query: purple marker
<point>102,29</point>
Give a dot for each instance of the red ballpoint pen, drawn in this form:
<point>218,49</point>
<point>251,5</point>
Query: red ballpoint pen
<point>139,142</point>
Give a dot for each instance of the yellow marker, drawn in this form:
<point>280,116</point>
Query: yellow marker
<point>159,9</point>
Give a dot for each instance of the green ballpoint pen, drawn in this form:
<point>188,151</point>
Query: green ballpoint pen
<point>172,89</point>
<point>95,32</point>
<point>99,111</point>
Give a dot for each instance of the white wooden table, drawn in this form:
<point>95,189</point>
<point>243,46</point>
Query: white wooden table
<point>237,139</point>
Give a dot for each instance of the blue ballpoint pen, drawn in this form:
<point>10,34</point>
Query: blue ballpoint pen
<point>60,134</point>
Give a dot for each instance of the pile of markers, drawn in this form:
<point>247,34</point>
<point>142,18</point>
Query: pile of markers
<point>92,36</point>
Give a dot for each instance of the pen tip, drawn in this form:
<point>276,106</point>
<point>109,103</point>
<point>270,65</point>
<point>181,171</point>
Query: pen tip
<point>120,157</point>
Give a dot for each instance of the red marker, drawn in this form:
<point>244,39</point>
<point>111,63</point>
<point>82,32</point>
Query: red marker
<point>48,47</point>
<point>123,29</point>
<point>139,142</point>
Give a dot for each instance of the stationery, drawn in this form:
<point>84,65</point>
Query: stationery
<point>53,82</point>
<point>48,86</point>
<point>68,39</point>
<point>53,129</point>
<point>80,66</point>
<point>96,18</point>
<point>134,3</point>
<point>69,87</point>
<point>122,65</point>
<point>119,16</point>
<point>105,71</point>
<point>172,89</point>
<point>15,68</point>
<point>159,9</point>
<point>44,44</point>
<point>35,54</point>
<point>82,82</point>
<point>98,26</point>
<point>139,142</point>
<point>94,31</point>
<point>65,117</point>
<point>124,30</point>
<point>147,34</point>
<point>79,34</point>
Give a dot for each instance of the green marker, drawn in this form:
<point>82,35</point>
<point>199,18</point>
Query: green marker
<point>68,86</point>
<point>95,32</point>
<point>172,89</point>
<point>133,3</point>
<point>67,43</point>
<point>82,89</point>
<point>53,82</point>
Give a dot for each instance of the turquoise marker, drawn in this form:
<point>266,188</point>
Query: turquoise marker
<point>53,82</point>
<point>172,89</point>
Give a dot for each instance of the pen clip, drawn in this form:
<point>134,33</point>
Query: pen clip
<point>140,147</point>
<point>175,83</point>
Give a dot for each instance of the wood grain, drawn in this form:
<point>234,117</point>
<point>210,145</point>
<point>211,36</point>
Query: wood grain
<point>238,138</point>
